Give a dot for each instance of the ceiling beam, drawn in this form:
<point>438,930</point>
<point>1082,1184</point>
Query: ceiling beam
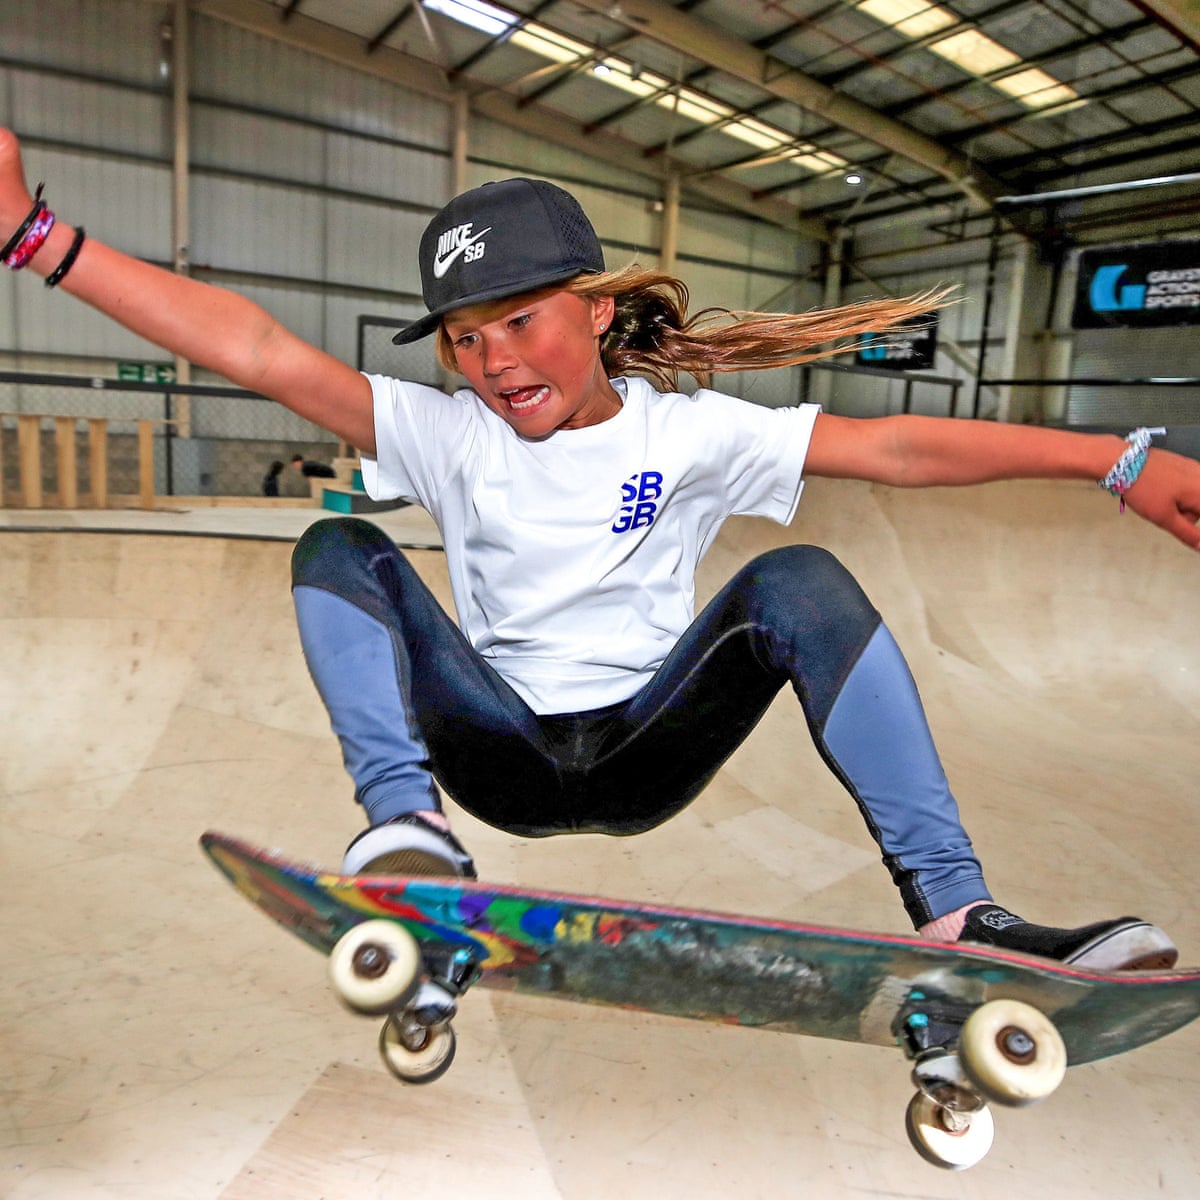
<point>607,147</point>
<point>1181,17</point>
<point>709,43</point>
<point>408,71</point>
<point>337,45</point>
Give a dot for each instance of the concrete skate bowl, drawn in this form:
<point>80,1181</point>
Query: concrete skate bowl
<point>157,1029</point>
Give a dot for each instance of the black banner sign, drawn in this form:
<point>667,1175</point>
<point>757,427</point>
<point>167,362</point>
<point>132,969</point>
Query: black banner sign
<point>1138,287</point>
<point>914,348</point>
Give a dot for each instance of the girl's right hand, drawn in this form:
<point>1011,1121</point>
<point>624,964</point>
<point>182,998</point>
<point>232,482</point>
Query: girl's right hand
<point>15,197</point>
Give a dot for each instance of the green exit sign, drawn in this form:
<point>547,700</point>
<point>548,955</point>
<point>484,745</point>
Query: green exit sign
<point>136,372</point>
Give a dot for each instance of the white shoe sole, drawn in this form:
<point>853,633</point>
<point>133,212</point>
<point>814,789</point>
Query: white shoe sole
<point>1140,947</point>
<point>400,850</point>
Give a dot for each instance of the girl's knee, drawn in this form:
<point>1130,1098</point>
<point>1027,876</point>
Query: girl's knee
<point>807,579</point>
<point>329,546</point>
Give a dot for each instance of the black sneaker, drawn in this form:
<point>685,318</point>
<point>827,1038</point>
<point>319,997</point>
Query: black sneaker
<point>407,845</point>
<point>1126,944</point>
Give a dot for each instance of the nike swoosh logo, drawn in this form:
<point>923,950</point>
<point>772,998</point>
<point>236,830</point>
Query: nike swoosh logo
<point>442,265</point>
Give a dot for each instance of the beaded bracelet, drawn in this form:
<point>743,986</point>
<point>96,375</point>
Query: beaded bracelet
<point>18,237</point>
<point>1128,467</point>
<point>59,273</point>
<point>31,243</point>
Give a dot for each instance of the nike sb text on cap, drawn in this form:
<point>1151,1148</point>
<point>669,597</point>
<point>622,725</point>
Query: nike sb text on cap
<point>499,240</point>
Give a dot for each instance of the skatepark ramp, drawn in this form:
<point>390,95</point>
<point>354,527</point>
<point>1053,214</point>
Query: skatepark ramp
<point>158,1038</point>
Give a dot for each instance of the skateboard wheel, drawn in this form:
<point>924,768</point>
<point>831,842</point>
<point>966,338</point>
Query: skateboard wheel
<point>416,1053</point>
<point>1012,1053</point>
<point>948,1139</point>
<point>375,966</point>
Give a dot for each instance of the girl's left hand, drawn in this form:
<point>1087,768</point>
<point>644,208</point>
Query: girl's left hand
<point>1168,494</point>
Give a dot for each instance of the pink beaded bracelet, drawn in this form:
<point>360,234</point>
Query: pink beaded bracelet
<point>31,243</point>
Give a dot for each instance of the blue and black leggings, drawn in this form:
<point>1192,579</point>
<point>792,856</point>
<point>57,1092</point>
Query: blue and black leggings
<point>410,700</point>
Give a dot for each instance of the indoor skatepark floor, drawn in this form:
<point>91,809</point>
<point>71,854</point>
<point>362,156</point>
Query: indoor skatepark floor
<point>160,1039</point>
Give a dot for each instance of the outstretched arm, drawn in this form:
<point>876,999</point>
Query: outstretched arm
<point>912,451</point>
<point>211,326</point>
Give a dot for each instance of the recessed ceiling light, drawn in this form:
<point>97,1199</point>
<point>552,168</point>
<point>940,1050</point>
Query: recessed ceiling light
<point>853,178</point>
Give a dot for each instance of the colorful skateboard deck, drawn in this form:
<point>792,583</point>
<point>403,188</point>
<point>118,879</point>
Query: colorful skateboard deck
<point>823,982</point>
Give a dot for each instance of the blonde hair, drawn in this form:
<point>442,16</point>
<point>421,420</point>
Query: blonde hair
<point>652,335</point>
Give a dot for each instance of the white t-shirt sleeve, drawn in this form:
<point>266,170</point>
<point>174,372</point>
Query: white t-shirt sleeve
<point>418,431</point>
<point>761,452</point>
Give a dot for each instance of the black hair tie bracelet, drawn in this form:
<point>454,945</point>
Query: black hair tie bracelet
<point>59,273</point>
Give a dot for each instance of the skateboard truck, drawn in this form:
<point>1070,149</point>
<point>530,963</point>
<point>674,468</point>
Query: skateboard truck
<point>947,1120</point>
<point>930,1022</point>
<point>939,1075</point>
<point>964,1055</point>
<point>417,1041</point>
<point>379,967</point>
<point>450,973</point>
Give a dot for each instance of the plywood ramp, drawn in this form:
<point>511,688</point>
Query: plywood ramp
<point>159,1039</point>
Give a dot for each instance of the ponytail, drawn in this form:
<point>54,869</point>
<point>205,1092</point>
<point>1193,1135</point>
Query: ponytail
<point>652,335</point>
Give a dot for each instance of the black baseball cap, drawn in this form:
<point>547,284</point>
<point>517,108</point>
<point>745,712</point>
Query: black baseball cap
<point>501,239</point>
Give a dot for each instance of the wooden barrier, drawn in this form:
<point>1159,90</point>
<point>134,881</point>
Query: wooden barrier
<point>30,492</point>
<point>68,472</point>
<point>29,460</point>
<point>98,460</point>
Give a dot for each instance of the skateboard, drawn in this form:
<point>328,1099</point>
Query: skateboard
<point>978,1024</point>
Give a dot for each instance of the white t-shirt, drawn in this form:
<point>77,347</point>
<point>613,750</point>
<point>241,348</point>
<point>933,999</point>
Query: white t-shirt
<point>572,559</point>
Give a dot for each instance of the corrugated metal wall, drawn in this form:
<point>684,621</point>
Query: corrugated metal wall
<point>310,183</point>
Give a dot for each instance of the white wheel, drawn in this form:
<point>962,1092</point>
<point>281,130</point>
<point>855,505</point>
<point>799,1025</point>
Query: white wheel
<point>1012,1053</point>
<point>952,1140</point>
<point>416,1053</point>
<point>375,966</point>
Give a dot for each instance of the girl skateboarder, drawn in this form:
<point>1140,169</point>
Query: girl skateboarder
<point>580,692</point>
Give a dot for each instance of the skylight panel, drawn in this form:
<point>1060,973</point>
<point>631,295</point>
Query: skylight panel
<point>700,108</point>
<point>973,51</point>
<point>476,14</point>
<point>765,137</point>
<point>549,44</point>
<point>913,18</point>
<point>1036,89</point>
<point>621,75</point>
<point>616,72</point>
<point>818,161</point>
